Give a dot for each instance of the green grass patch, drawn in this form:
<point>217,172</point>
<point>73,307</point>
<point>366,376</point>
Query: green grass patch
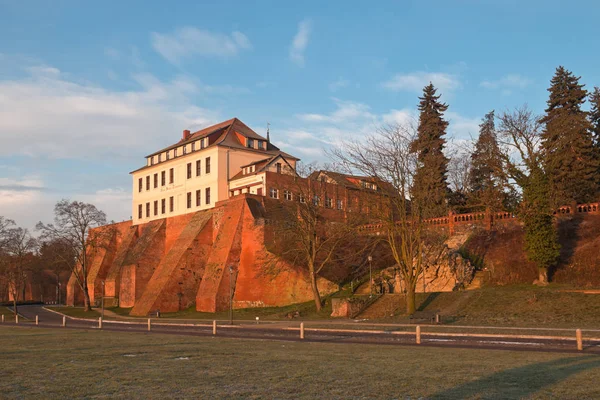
<point>515,305</point>
<point>47,363</point>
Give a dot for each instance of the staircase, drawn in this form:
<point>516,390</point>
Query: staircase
<point>384,307</point>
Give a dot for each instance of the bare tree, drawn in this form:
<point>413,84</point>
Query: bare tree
<point>18,249</point>
<point>5,226</point>
<point>81,228</point>
<point>310,231</point>
<point>387,158</point>
<point>520,134</point>
<point>459,177</point>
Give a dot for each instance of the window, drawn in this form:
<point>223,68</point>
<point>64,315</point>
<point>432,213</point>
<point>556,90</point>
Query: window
<point>151,160</point>
<point>250,143</point>
<point>171,204</point>
<point>261,145</point>
<point>193,146</point>
<point>140,213</point>
<point>163,206</point>
<point>189,170</point>
<point>175,152</point>
<point>202,143</point>
<point>207,195</point>
<point>148,182</point>
<point>316,200</point>
<point>189,200</point>
<point>339,204</point>
<point>171,175</point>
<point>147,210</point>
<point>328,202</point>
<point>301,198</point>
<point>287,195</point>
<point>198,167</point>
<point>168,153</point>
<point>163,178</point>
<point>273,193</point>
<point>141,184</point>
<point>155,207</point>
<point>278,168</point>
<point>185,149</point>
<point>155,180</point>
<point>160,157</point>
<point>198,202</point>
<point>207,166</point>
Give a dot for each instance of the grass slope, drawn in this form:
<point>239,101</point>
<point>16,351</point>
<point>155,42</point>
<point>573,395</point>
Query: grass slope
<point>39,363</point>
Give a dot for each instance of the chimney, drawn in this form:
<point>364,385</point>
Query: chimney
<point>186,134</point>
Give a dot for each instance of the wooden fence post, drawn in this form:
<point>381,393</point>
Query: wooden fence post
<point>579,339</point>
<point>64,321</point>
<point>214,327</point>
<point>302,330</point>
<point>37,320</point>
<point>418,334</point>
<point>149,325</point>
<point>16,318</point>
<point>99,322</point>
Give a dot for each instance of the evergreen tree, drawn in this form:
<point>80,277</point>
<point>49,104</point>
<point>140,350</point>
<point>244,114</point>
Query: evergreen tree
<point>541,237</point>
<point>486,179</point>
<point>595,117</point>
<point>569,158</point>
<point>430,188</point>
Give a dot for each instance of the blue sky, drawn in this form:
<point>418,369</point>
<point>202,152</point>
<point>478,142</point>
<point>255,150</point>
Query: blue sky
<point>88,89</point>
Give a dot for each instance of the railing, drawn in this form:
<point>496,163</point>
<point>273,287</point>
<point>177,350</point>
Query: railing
<point>488,218</point>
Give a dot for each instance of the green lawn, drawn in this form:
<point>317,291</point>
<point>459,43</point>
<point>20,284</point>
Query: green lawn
<point>49,364</point>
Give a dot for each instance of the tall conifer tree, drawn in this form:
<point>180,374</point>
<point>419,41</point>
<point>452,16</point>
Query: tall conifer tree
<point>430,187</point>
<point>595,117</point>
<point>487,182</point>
<point>569,158</point>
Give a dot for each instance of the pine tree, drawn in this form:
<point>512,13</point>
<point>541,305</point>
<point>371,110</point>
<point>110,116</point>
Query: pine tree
<point>430,187</point>
<point>486,179</point>
<point>569,158</point>
<point>541,238</point>
<point>595,117</point>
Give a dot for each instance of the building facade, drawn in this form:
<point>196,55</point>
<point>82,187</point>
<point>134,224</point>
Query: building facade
<point>194,173</point>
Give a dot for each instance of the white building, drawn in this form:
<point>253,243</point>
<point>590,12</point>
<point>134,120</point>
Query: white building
<point>194,173</point>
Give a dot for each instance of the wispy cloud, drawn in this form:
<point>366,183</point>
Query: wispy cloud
<point>507,83</point>
<point>340,83</point>
<point>345,111</point>
<point>189,42</point>
<point>300,42</point>
<point>416,81</point>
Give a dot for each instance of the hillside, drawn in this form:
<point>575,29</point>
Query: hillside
<point>501,253</point>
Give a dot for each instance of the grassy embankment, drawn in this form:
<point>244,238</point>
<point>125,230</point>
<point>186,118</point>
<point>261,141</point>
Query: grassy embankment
<point>515,305</point>
<point>92,364</point>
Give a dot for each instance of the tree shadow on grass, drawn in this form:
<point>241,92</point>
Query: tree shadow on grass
<point>520,382</point>
<point>428,301</point>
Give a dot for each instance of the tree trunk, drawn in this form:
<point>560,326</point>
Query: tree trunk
<point>542,279</point>
<point>315,288</point>
<point>15,304</point>
<point>410,299</point>
<point>86,299</point>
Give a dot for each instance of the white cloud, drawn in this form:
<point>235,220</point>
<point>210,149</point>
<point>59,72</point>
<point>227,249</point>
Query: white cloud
<point>46,114</point>
<point>338,84</point>
<point>300,42</point>
<point>461,127</point>
<point>416,81</point>
<point>189,41</point>
<point>346,111</point>
<point>508,81</point>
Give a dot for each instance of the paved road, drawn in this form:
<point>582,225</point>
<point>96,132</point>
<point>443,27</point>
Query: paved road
<point>290,332</point>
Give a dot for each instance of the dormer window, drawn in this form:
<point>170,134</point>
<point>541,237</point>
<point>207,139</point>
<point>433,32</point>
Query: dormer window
<point>193,146</point>
<point>250,143</point>
<point>202,143</point>
<point>261,145</point>
<point>175,152</point>
<point>185,149</point>
<point>278,168</point>
<point>159,157</point>
<point>168,154</point>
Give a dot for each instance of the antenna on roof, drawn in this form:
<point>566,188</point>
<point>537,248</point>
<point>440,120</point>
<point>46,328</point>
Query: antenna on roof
<point>268,134</point>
